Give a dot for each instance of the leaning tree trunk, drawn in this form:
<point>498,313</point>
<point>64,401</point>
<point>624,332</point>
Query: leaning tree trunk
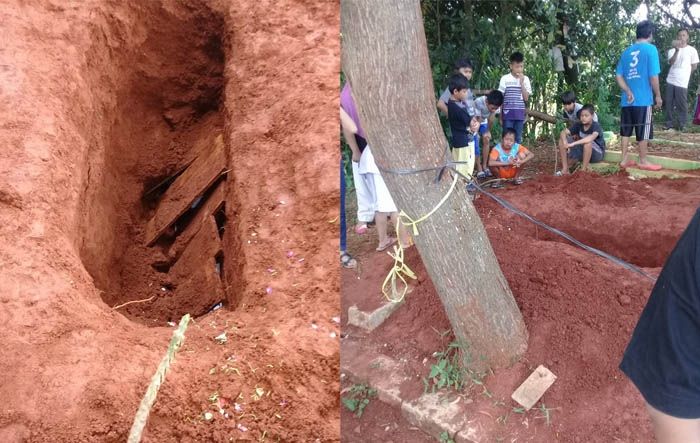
<point>385,58</point>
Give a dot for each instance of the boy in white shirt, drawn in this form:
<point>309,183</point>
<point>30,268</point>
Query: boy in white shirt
<point>683,59</point>
<point>516,91</point>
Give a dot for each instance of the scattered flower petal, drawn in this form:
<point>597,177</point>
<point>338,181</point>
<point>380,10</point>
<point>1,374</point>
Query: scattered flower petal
<point>336,319</point>
<point>290,254</point>
<point>241,428</point>
<point>221,338</point>
<point>268,290</point>
<point>208,416</point>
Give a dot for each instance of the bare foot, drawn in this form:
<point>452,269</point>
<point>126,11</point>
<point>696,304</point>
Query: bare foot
<point>388,242</point>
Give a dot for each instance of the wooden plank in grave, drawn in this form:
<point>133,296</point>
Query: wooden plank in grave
<point>190,185</point>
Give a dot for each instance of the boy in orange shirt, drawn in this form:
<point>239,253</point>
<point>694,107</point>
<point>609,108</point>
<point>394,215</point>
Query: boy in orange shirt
<point>508,157</point>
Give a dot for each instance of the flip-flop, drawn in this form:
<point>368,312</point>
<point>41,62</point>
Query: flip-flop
<point>650,166</point>
<point>361,229</point>
<point>347,261</point>
<point>390,241</point>
<point>628,164</point>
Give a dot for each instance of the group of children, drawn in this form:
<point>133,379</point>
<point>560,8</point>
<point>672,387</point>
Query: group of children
<point>471,120</point>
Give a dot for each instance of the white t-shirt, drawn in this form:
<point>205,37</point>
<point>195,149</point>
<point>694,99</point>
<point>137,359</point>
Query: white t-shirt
<point>679,74</point>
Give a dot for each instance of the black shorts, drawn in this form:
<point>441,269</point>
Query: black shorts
<point>637,118</point>
<point>663,357</point>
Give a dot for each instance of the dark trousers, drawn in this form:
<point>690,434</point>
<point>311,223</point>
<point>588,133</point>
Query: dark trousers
<point>343,227</point>
<point>676,101</point>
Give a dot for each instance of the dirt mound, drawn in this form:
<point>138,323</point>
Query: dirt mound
<point>104,101</point>
<point>579,309</point>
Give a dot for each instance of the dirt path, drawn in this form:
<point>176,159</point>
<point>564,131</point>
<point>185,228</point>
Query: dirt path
<point>101,102</point>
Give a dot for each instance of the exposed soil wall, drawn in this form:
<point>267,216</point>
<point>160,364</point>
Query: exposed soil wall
<point>100,101</point>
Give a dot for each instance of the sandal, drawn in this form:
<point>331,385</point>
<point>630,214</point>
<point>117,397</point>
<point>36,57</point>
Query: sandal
<point>649,166</point>
<point>518,181</point>
<point>361,229</point>
<point>347,261</point>
<point>497,185</point>
<point>390,241</point>
<point>628,164</point>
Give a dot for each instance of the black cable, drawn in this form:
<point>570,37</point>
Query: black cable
<point>449,164</point>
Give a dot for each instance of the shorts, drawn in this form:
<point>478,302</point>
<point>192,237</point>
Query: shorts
<point>505,172</point>
<point>466,155</point>
<point>576,152</point>
<point>483,128</point>
<point>637,118</point>
<point>382,198</point>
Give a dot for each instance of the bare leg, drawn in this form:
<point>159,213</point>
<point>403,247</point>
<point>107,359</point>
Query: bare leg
<point>669,429</point>
<point>623,147</point>
<point>563,152</point>
<point>485,141</point>
<point>642,146</point>
<point>382,221</point>
<point>380,218</point>
<point>404,236</point>
<point>587,152</point>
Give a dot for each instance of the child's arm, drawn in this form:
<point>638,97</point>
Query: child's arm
<point>349,131</point>
<point>442,107</point>
<point>584,140</point>
<point>521,161</point>
<point>524,86</point>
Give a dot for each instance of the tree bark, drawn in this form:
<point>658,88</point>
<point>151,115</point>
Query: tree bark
<point>385,58</point>
<point>542,116</point>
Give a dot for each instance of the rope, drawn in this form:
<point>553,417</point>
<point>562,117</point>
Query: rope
<point>400,268</point>
<point>158,378</point>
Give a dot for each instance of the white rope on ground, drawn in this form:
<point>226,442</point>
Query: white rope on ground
<point>158,378</point>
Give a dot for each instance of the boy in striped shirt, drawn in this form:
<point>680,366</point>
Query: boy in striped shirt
<point>516,91</point>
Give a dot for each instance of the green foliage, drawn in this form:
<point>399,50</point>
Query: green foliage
<point>488,32</point>
<point>451,369</point>
<point>357,398</point>
<point>445,437</point>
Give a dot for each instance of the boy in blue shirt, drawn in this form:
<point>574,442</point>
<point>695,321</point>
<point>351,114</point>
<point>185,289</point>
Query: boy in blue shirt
<point>466,69</point>
<point>463,125</point>
<point>637,75</point>
<point>516,91</point>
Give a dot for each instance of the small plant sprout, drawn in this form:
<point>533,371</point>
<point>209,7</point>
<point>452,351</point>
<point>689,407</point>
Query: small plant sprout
<point>357,398</point>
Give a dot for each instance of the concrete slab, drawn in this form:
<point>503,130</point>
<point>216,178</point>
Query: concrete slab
<point>666,162</point>
<point>371,320</point>
<point>435,413</point>
<point>612,168</point>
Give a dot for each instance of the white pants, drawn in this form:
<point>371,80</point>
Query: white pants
<point>365,198</point>
<point>375,183</point>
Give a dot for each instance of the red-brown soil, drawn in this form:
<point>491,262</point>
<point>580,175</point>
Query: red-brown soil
<point>100,102</point>
<point>579,309</point>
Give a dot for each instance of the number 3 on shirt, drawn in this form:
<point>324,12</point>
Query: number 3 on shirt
<point>635,59</point>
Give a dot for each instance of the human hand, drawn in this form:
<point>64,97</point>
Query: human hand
<point>355,156</point>
<point>630,97</point>
<point>659,102</point>
<point>676,43</point>
<point>487,135</point>
<point>474,125</point>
